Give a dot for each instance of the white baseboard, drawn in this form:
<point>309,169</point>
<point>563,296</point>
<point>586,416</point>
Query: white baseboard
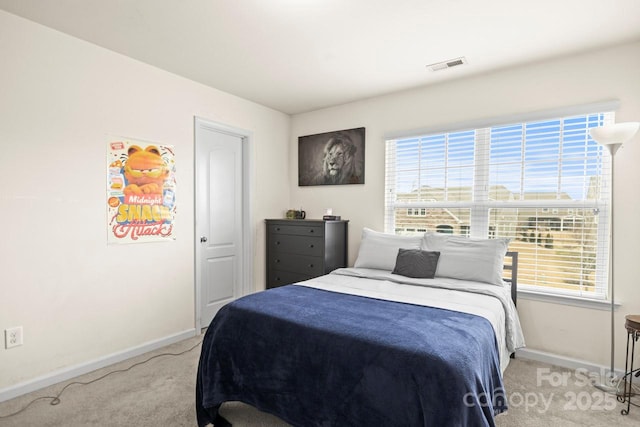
<point>562,361</point>
<point>83,368</point>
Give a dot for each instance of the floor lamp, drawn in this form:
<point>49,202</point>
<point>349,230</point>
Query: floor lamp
<point>612,137</point>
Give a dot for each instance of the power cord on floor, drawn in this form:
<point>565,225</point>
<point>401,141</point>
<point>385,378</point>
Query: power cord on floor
<point>55,400</point>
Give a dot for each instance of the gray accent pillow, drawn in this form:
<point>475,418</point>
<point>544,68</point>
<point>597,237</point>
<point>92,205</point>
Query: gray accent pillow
<point>416,263</point>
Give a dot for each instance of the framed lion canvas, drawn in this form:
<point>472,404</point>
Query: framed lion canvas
<point>331,158</point>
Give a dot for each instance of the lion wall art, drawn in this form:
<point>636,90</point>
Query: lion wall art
<point>331,158</point>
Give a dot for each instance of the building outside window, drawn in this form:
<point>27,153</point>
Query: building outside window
<point>542,183</point>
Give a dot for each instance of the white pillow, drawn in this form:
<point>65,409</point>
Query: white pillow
<point>436,241</point>
<point>380,250</point>
<point>480,260</point>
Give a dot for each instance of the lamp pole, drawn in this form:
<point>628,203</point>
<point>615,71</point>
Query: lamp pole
<point>611,387</point>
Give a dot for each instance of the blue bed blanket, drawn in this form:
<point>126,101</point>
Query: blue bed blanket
<point>319,358</point>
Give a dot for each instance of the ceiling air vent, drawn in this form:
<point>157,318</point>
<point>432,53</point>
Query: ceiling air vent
<point>447,64</point>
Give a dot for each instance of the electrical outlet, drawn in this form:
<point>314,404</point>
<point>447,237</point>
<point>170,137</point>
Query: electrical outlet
<point>13,337</point>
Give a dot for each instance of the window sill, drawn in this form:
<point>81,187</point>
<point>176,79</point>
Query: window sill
<point>594,304</point>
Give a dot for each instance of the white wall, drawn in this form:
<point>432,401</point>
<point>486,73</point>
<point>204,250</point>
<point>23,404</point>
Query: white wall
<point>582,79</point>
<point>77,298</point>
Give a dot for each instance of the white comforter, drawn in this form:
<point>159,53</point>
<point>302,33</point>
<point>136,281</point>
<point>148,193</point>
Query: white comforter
<point>489,301</point>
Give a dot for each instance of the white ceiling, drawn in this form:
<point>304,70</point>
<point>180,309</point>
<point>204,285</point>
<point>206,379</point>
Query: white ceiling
<point>302,55</point>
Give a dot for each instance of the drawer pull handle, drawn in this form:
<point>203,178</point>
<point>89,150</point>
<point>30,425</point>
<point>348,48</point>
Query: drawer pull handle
<point>277,261</point>
<point>277,243</point>
<point>310,246</point>
<point>311,231</point>
<point>310,265</point>
<point>277,228</point>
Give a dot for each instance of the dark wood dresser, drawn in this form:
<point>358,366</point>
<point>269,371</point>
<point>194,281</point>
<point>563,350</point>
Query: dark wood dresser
<point>300,249</point>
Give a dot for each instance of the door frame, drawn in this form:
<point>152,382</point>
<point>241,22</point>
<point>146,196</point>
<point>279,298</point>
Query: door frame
<point>246,269</point>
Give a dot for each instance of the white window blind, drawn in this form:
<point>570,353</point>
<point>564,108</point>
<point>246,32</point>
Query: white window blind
<point>544,184</point>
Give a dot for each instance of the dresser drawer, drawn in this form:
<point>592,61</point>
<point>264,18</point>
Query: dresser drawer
<point>297,230</point>
<point>299,250</point>
<point>312,266</point>
<point>302,245</point>
<point>280,278</point>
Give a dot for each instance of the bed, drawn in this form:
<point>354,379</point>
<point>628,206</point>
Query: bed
<point>417,333</point>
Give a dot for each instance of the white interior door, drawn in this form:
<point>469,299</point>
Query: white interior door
<point>219,218</point>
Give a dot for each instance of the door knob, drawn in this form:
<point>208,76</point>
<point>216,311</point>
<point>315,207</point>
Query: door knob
<point>203,239</point>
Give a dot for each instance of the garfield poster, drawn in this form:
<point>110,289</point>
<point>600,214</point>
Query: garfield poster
<point>141,192</point>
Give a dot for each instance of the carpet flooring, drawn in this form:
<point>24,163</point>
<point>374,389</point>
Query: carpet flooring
<point>160,393</point>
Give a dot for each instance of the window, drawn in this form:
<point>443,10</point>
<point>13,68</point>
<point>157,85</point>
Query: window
<point>543,184</point>
<point>416,212</point>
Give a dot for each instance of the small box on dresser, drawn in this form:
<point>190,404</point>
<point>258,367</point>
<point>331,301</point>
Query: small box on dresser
<point>300,249</point>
